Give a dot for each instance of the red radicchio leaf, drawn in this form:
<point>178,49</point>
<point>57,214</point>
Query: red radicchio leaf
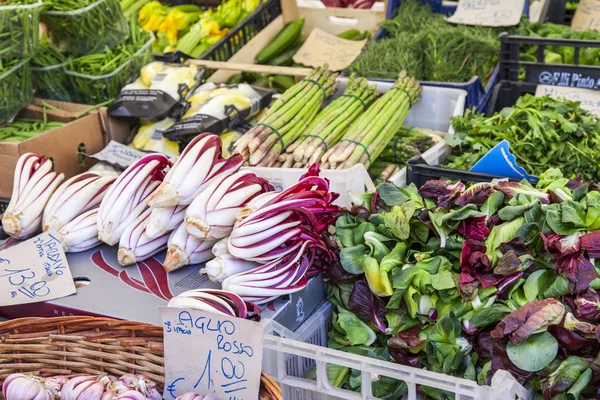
<point>366,306</point>
<point>406,339</point>
<point>521,323</point>
<point>477,194</point>
<point>572,342</point>
<point>517,245</point>
<point>508,264</point>
<point>404,357</point>
<point>484,345</point>
<point>591,243</point>
<point>338,274</point>
<point>559,246</point>
<point>444,192</point>
<point>587,306</point>
<point>473,258</point>
<point>474,228</point>
<point>575,182</point>
<point>578,270</point>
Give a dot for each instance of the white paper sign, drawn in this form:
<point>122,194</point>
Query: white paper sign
<point>488,12</point>
<point>590,99</point>
<point>207,353</point>
<point>118,154</point>
<point>35,270</point>
<point>324,48</point>
<point>587,16</point>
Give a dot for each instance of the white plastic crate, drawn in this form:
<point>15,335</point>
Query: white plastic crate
<point>434,111</point>
<point>354,179</point>
<point>289,356</point>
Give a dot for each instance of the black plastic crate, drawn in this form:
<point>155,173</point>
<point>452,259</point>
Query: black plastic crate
<point>419,172</point>
<point>506,93</point>
<point>556,11</point>
<point>539,72</point>
<point>236,38</point>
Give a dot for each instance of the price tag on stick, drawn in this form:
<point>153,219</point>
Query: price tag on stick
<point>488,12</point>
<point>35,270</point>
<point>208,353</point>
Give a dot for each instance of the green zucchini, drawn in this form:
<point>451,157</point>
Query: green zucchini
<point>286,58</point>
<point>250,76</point>
<point>282,82</point>
<point>288,35</point>
<point>233,79</point>
<point>350,34</point>
<point>263,81</point>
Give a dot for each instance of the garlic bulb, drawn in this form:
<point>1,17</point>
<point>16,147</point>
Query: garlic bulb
<point>25,387</point>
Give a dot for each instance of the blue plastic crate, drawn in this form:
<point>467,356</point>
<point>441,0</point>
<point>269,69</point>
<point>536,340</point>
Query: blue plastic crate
<point>478,95</point>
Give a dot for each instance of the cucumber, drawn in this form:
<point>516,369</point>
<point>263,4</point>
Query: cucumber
<point>237,78</point>
<point>285,59</point>
<point>263,81</point>
<point>250,76</point>
<point>282,82</point>
<point>288,35</point>
<point>350,34</point>
<point>362,36</point>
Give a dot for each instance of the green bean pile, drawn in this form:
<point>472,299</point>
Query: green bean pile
<point>18,28</point>
<point>22,129</point>
<point>103,25</point>
<point>15,87</point>
<point>121,62</point>
<point>49,78</point>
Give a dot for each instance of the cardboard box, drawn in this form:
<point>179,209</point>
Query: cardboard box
<point>135,292</point>
<point>331,20</point>
<point>93,131</point>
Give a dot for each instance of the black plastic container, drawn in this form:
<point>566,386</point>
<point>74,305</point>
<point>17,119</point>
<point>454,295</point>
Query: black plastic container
<point>539,72</point>
<point>236,38</point>
<point>419,172</point>
<point>556,11</point>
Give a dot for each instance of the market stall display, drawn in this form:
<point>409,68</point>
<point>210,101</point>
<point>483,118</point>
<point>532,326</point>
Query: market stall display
<point>242,194</point>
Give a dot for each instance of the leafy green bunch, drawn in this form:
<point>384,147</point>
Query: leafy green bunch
<point>468,281</point>
<point>429,48</point>
<point>541,131</point>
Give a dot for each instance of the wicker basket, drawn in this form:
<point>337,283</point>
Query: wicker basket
<point>90,345</point>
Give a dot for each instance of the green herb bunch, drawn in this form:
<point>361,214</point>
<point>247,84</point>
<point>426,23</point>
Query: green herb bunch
<point>542,131</point>
<point>122,62</point>
<point>18,28</point>
<point>15,87</point>
<point>49,78</point>
<point>429,48</point>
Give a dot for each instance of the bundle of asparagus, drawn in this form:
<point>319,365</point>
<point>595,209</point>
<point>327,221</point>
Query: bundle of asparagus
<point>287,119</point>
<point>409,142</point>
<point>369,134</point>
<point>330,124</point>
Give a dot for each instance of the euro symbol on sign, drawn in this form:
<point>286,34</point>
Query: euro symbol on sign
<point>172,389</point>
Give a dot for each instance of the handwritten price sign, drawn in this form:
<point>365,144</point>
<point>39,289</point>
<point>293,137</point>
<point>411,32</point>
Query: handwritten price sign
<point>589,99</point>
<point>35,270</point>
<point>587,16</point>
<point>209,353</point>
<point>321,47</point>
<point>118,154</point>
<point>488,12</point>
